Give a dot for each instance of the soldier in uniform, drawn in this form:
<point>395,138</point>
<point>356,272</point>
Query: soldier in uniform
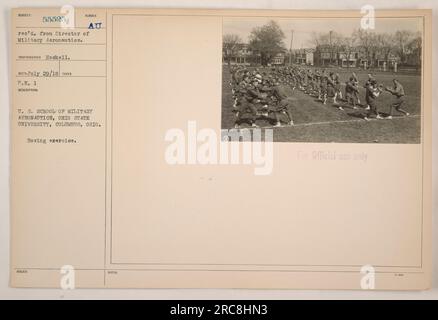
<point>331,87</point>
<point>323,86</point>
<point>293,79</point>
<point>351,91</point>
<point>250,97</point>
<point>373,92</point>
<point>311,82</point>
<point>315,83</point>
<point>239,92</point>
<point>399,93</point>
<point>282,104</point>
<point>356,84</point>
<point>265,93</point>
<point>367,83</point>
<point>318,84</point>
<point>337,87</point>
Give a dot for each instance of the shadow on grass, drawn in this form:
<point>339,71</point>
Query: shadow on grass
<point>356,114</point>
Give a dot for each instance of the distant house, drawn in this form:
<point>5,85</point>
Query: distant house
<point>326,55</point>
<point>310,56</point>
<point>242,55</point>
<point>349,59</point>
<point>304,56</point>
<point>353,57</point>
<point>278,59</point>
<point>386,60</point>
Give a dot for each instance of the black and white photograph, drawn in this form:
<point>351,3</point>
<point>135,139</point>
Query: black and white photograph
<point>324,79</point>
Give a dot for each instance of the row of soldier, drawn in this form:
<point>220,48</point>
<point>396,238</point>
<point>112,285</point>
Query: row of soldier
<point>261,93</point>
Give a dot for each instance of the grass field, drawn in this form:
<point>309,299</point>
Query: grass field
<point>315,122</point>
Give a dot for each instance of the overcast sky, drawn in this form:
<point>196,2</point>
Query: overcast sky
<point>303,28</point>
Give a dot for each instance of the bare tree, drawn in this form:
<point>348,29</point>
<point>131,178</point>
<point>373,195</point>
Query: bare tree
<point>318,39</point>
<point>386,44</point>
<point>402,38</point>
<point>366,40</point>
<point>348,45</point>
<point>414,48</point>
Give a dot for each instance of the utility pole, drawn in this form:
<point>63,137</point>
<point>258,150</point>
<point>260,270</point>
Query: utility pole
<point>290,48</point>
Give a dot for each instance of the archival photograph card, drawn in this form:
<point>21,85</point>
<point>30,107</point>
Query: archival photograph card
<point>165,148</point>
